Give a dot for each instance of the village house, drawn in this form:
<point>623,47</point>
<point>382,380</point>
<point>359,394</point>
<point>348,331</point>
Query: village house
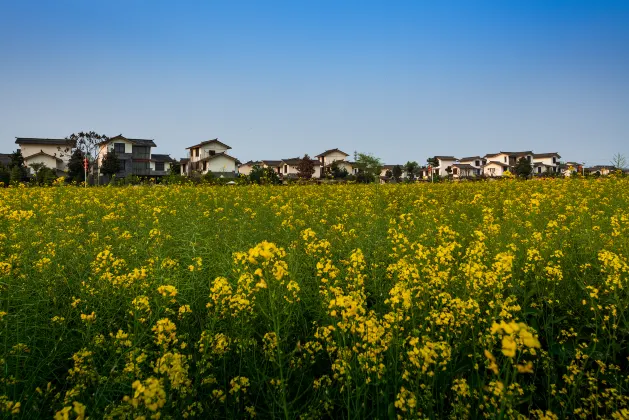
<point>288,167</point>
<point>327,158</point>
<point>210,157</point>
<point>444,166</point>
<point>600,169</point>
<point>546,163</point>
<point>494,168</point>
<point>134,155</point>
<point>53,153</point>
<point>245,168</point>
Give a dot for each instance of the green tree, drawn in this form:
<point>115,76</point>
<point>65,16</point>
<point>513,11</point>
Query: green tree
<point>396,173</point>
<point>111,164</point>
<point>88,142</point>
<point>305,168</point>
<point>337,171</point>
<point>523,168</point>
<point>411,169</point>
<point>175,168</point>
<point>5,175</point>
<point>75,166</point>
<point>16,174</point>
<point>36,167</point>
<point>369,167</point>
<point>17,161</point>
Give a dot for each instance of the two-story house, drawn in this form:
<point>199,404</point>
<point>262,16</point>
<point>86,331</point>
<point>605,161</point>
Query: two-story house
<point>327,158</point>
<point>134,156</point>
<point>468,167</point>
<point>546,163</point>
<point>53,153</point>
<point>444,166</point>
<point>210,157</point>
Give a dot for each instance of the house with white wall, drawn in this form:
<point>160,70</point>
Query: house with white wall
<point>54,153</point>
<point>494,168</point>
<point>134,155</point>
<point>288,167</point>
<point>327,158</point>
<point>444,163</point>
<point>546,163</point>
<point>210,157</point>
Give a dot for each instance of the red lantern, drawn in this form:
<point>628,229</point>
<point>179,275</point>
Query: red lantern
<point>85,163</point>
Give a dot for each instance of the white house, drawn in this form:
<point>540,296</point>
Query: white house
<point>445,163</point>
<point>464,170</point>
<point>546,163</point>
<point>210,156</point>
<point>495,168</point>
<point>54,153</point>
<point>509,158</point>
<point>327,158</point>
<point>245,168</point>
<point>288,167</point>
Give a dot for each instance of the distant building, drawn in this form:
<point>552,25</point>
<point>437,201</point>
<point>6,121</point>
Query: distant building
<point>210,157</point>
<point>134,155</point>
<point>53,153</point>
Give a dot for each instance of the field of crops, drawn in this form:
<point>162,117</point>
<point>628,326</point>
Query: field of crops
<point>454,300</point>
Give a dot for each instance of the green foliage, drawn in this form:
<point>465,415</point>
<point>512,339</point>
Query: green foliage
<point>369,167</point>
<point>411,169</point>
<point>110,164</point>
<point>305,168</point>
<point>5,175</point>
<point>337,171</point>
<point>523,168</point>
<point>260,175</point>
<point>75,166</point>
<point>397,172</point>
<point>175,168</point>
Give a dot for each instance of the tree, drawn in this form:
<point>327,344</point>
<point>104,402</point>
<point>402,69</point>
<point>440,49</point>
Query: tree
<point>523,168</point>
<point>111,164</point>
<point>36,167</point>
<point>433,161</point>
<point>305,168</point>
<point>17,161</point>
<point>16,174</point>
<point>396,173</point>
<point>388,173</point>
<point>337,171</point>
<point>89,144</point>
<point>619,161</point>
<point>369,167</point>
<point>175,168</point>
<point>5,175</point>
<point>411,169</point>
<point>75,166</point>
<point>260,175</point>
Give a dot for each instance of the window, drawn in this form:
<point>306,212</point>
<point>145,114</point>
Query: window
<point>492,170</point>
<point>539,169</point>
<point>554,160</point>
<point>529,158</point>
<point>159,166</point>
<point>184,167</point>
<point>204,166</point>
<point>141,168</point>
<point>505,159</point>
<point>285,169</point>
<point>455,171</point>
<point>118,148</point>
<point>477,163</point>
<point>212,152</point>
<point>141,152</point>
<point>196,152</point>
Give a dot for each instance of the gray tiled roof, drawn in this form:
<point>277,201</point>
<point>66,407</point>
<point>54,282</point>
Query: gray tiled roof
<point>161,158</point>
<point>33,140</point>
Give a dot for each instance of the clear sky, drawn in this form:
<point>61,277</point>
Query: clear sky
<point>403,80</point>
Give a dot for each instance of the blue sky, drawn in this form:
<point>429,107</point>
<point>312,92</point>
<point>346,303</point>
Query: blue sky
<point>403,80</point>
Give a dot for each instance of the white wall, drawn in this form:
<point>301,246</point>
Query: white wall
<point>51,149</point>
<point>50,162</point>
<point>498,169</point>
<point>221,164</point>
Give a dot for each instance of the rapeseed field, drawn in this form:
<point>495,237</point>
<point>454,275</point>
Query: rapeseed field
<point>499,299</point>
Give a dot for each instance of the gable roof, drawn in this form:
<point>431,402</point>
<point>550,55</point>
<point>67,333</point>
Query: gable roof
<point>468,159</point>
<point>137,142</point>
<point>464,166</point>
<point>203,143</point>
<point>497,163</point>
<point>214,156</point>
<point>546,155</point>
<point>327,152</point>
<point>271,162</point>
<point>445,157</point>
<point>41,152</point>
<point>53,142</point>
<point>161,158</point>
